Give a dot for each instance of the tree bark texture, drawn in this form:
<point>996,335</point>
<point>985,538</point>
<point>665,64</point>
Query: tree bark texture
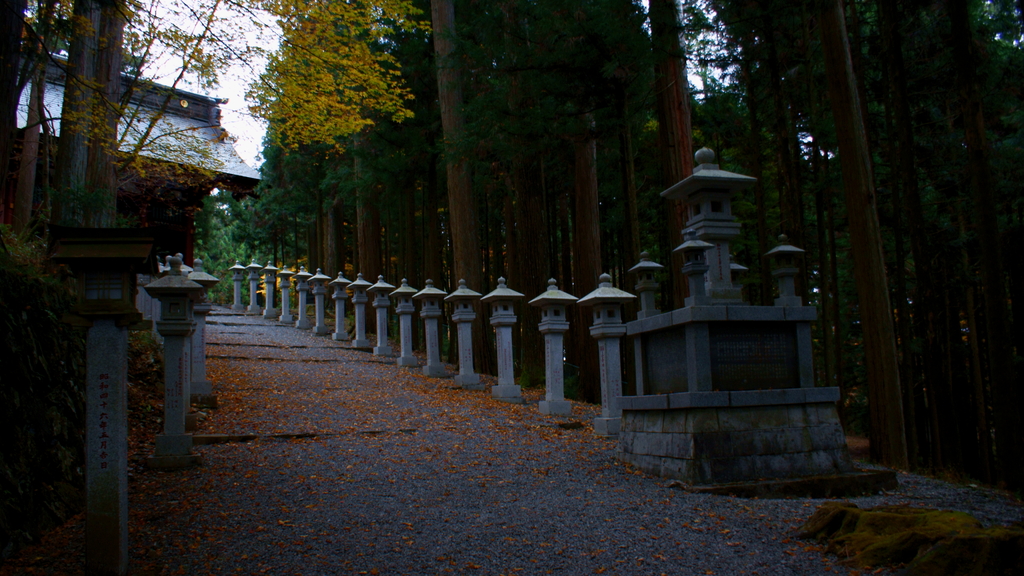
<point>586,263</point>
<point>888,442</point>
<point>101,171</point>
<point>29,155</point>
<point>10,46</point>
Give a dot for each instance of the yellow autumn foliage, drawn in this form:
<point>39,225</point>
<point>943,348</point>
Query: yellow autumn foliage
<point>333,73</point>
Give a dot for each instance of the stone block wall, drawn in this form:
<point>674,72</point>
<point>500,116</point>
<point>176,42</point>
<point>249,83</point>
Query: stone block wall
<point>732,443</point>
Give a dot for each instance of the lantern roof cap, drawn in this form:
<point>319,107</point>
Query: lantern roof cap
<point>404,289</point>
<point>253,266</point>
<point>553,296</point>
<point>605,293</point>
<point>359,283</point>
<point>737,267</point>
<point>319,277</point>
<point>381,285</point>
<point>429,292</point>
<point>270,267</point>
<point>784,249</point>
<point>462,293</point>
<point>340,281</point>
<point>200,276</point>
<point>238,266</point>
<point>646,264</point>
<point>89,248</point>
<point>174,283</point>
<point>302,275</point>
<point>502,292</point>
<point>691,242</point>
<point>285,273</point>
<point>708,176</point>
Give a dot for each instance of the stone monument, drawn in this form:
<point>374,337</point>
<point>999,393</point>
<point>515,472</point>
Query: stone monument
<point>254,287</point>
<point>728,388</point>
<point>269,287</point>
<point>302,287</point>
<point>238,276</point>
<point>285,277</point>
<point>319,282</point>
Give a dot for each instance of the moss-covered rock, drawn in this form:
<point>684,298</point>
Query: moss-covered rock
<point>929,542</point>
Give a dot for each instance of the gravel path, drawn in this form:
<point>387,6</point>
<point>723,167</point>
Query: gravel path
<point>411,475</point>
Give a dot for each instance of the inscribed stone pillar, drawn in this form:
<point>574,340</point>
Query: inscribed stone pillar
<point>430,311</point>
<point>503,317</point>
<point>463,315</point>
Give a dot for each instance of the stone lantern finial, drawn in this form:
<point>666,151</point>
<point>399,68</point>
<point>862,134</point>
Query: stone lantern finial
<point>704,156</point>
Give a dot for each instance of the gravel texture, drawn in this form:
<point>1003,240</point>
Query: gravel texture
<point>410,475</point>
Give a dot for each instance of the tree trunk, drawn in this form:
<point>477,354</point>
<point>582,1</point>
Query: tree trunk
<point>72,147</point>
<point>587,263</point>
<point>675,132</point>
<point>101,171</point>
<point>888,441</point>
<point>11,23</point>
<point>531,245</point>
<point>462,218</point>
<point>1006,410</point>
<point>29,155</point>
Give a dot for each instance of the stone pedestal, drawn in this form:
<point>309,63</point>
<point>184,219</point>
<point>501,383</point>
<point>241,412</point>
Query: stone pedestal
<point>320,302</point>
<point>553,325</point>
<point>430,311</point>
<point>359,300</point>
<point>302,287</point>
<point>254,287</point>
<point>106,452</point>
<point>608,329</point>
<point>339,284</point>
<point>502,300</point>
<point>463,316</point>
<point>285,276</point>
<point>405,308</point>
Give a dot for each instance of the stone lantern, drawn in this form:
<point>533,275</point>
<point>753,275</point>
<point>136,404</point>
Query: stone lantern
<point>381,302</point>
<point>737,270</point>
<point>503,317</point>
<point>302,287</point>
<point>646,285</point>
<point>405,308</point>
<point>238,277</point>
<point>201,389</point>
<point>176,294</point>
<point>430,310</point>
<point>608,329</point>
<point>708,194</point>
<point>787,266</point>
<point>105,262</point>
<point>319,282</point>
<point>339,284</point>
<point>359,300</point>
<point>553,325</point>
<point>695,268</point>
<point>463,315</point>
<point>254,287</point>
<point>270,286</point>
<point>285,276</point>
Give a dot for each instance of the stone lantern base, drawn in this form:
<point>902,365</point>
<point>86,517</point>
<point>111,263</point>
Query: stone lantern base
<point>555,407</point>
<point>469,381</point>
<point>510,393</point>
